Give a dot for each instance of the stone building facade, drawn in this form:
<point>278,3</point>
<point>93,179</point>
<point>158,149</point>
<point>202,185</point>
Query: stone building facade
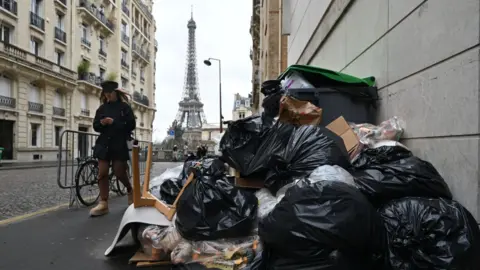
<point>53,56</point>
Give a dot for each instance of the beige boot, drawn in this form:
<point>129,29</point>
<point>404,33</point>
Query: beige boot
<point>130,197</point>
<point>99,210</point>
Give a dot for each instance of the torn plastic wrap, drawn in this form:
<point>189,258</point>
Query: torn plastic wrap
<point>212,209</point>
<point>331,173</point>
<point>321,219</point>
<point>387,173</point>
<point>430,234</point>
<point>368,134</point>
<point>240,142</point>
<point>158,242</point>
<point>224,253</point>
<point>166,186</point>
<point>308,148</point>
<point>266,202</point>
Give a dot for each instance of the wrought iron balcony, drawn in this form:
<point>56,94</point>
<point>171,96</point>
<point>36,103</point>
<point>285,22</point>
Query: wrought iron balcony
<point>139,51</point>
<point>18,55</point>
<point>9,5</point>
<point>7,102</point>
<point>91,78</point>
<point>58,111</point>
<point>97,14</point>
<point>144,9</point>
<point>125,9</point>
<point>102,53</point>
<point>35,107</point>
<point>85,112</point>
<point>125,38</point>
<point>142,99</point>
<point>37,21</point>
<point>86,42</point>
<point>60,35</point>
<point>63,2</point>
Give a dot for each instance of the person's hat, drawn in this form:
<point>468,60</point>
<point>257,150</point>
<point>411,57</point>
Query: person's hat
<point>109,86</point>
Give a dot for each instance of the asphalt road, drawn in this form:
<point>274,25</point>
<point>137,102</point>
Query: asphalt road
<point>30,190</point>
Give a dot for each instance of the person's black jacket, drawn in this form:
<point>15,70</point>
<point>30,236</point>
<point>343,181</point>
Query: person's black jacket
<point>112,142</point>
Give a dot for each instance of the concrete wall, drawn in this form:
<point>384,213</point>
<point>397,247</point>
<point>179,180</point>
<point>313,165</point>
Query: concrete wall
<point>425,56</point>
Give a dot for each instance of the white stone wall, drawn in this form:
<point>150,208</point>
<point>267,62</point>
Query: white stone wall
<point>425,56</point>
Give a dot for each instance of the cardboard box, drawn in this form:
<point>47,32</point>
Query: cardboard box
<point>299,112</point>
<point>340,127</point>
<point>243,182</point>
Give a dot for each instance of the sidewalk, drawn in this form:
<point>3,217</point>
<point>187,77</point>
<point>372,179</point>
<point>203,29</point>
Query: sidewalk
<point>66,239</point>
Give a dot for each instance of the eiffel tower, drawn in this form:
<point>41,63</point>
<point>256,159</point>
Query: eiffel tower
<point>190,114</point>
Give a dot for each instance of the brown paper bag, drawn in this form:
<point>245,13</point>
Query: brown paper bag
<point>299,112</point>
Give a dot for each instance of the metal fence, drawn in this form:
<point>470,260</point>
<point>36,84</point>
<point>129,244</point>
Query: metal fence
<point>76,146</point>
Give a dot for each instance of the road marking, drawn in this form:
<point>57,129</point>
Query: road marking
<point>34,214</point>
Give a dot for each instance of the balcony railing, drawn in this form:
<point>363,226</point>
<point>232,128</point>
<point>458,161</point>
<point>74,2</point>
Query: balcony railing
<point>9,5</point>
<point>16,54</point>
<point>90,78</point>
<point>63,2</point>
<point>125,38</point>
<point>86,42</point>
<point>142,99</point>
<point>37,21</point>
<point>60,35</point>
<point>125,10</point>
<point>144,9</point>
<point>7,102</point>
<point>124,63</point>
<point>58,111</point>
<point>102,53</point>
<point>35,107</point>
<point>97,14</point>
<point>85,112</point>
<point>140,52</point>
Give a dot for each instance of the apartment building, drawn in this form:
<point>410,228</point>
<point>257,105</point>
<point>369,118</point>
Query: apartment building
<point>270,47</point>
<point>53,56</point>
<point>241,107</point>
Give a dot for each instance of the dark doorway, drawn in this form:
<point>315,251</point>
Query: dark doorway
<point>83,142</point>
<point>6,138</point>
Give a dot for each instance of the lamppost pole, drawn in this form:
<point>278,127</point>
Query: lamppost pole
<point>209,63</point>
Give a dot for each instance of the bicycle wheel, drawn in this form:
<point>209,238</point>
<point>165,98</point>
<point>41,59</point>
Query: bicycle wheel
<point>117,186</point>
<point>87,176</point>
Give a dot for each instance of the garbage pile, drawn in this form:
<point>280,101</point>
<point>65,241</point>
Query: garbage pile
<point>337,195</point>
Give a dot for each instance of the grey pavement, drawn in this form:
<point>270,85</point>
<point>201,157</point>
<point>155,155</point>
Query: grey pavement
<point>29,190</point>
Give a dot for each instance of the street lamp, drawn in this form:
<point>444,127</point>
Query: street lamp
<point>208,62</point>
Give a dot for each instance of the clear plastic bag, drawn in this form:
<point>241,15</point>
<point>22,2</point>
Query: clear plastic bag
<point>266,202</point>
<point>226,252</point>
<point>158,241</point>
<point>331,173</point>
<point>391,129</point>
<point>172,173</point>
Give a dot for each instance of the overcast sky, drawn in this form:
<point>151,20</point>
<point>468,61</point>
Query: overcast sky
<point>222,32</point>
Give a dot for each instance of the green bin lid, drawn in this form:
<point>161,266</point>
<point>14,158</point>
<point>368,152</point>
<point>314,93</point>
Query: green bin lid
<point>329,74</point>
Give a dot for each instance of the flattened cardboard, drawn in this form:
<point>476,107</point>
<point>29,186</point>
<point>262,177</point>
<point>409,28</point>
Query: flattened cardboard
<point>245,183</point>
<point>340,127</point>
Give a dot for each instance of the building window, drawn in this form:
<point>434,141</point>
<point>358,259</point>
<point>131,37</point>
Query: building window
<point>141,91</point>
<point>102,73</point>
<point>83,101</point>
<point>237,103</point>
<point>85,31</point>
<point>35,134</point>
<point>58,132</point>
<point>241,115</point>
<point>124,56</point>
<point>247,102</point>
<point>34,94</point>
<point>124,28</point>
<point>102,44</point>
<point>35,46</point>
<point>124,83</point>
<point>36,6</point>
<point>60,21</point>
<point>58,101</point>
<point>5,86</point>
<point>59,57</point>
<point>6,34</point>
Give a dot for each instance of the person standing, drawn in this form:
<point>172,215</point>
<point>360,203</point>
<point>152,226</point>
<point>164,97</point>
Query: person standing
<point>115,122</point>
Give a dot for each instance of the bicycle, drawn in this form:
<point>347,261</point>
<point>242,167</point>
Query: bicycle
<point>89,166</point>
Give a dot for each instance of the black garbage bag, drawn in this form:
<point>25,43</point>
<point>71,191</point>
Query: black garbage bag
<point>308,147</point>
<point>240,142</point>
<point>170,189</point>
<point>211,209</point>
<point>271,104</point>
<point>391,172</point>
<point>426,233</point>
<point>314,221</point>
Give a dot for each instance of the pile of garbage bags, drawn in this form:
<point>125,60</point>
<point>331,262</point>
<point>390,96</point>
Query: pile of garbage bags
<point>320,208</point>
